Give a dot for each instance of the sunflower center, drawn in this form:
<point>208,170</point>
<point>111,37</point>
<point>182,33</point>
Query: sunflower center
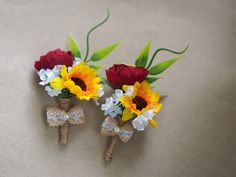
<point>140,102</point>
<point>80,83</point>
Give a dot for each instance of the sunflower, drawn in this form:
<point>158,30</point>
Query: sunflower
<point>81,81</point>
<point>138,100</point>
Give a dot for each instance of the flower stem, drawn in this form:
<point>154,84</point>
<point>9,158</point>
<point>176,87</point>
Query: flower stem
<point>90,31</point>
<point>109,151</point>
<point>168,50</point>
<point>64,130</point>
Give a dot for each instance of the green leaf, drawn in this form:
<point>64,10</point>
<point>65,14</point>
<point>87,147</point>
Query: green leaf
<point>160,67</point>
<point>143,56</point>
<point>65,93</point>
<point>95,66</point>
<point>103,52</point>
<point>151,79</point>
<point>74,48</point>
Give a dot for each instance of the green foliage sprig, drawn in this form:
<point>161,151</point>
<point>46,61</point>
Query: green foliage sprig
<point>99,54</point>
<point>142,61</point>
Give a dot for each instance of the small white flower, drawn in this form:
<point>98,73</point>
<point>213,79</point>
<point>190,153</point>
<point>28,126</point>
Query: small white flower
<point>108,104</point>
<point>140,123</point>
<point>129,91</point>
<point>111,106</point>
<point>46,76</point>
<point>101,92</point>
<point>41,74</point>
<point>52,92</point>
<point>149,113</point>
<point>115,100</point>
<point>119,93</point>
<point>69,68</point>
<point>113,111</point>
<point>116,96</point>
<point>57,70</point>
<point>77,61</point>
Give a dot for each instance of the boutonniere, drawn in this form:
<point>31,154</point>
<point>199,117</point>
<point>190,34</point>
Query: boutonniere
<point>134,103</point>
<point>69,74</point>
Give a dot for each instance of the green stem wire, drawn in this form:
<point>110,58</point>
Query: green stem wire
<point>164,49</point>
<point>90,31</point>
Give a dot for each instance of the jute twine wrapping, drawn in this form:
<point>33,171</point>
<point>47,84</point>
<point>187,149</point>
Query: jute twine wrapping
<point>64,130</point>
<point>109,151</point>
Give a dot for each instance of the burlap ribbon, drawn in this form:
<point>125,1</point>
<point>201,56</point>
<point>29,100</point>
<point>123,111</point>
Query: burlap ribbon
<point>110,128</point>
<point>57,117</point>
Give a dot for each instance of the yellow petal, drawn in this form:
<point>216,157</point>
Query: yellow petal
<point>76,90</point>
<point>57,83</point>
<point>126,101</point>
<point>124,87</point>
<point>127,115</point>
<point>158,108</point>
<point>64,72</point>
<point>145,85</point>
<point>152,122</point>
<point>85,97</point>
<point>69,84</point>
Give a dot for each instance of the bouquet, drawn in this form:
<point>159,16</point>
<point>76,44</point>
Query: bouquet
<point>134,103</point>
<point>66,75</point>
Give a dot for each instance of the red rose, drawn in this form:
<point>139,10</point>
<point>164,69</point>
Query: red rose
<point>122,74</point>
<point>53,58</point>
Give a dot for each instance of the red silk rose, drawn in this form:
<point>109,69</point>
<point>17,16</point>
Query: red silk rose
<point>53,58</point>
<point>121,74</point>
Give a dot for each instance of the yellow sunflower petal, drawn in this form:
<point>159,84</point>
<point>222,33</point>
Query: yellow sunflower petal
<point>69,84</point>
<point>86,97</point>
<point>76,90</point>
<point>145,85</point>
<point>57,83</point>
<point>97,80</point>
<point>152,122</point>
<point>126,101</point>
<point>127,115</point>
<point>144,91</point>
<point>158,108</point>
<point>89,77</point>
<point>64,72</point>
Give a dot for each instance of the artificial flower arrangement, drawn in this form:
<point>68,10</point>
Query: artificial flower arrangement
<point>134,103</point>
<point>66,75</point>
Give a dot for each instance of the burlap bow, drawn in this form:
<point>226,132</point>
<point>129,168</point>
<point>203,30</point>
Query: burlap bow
<point>57,117</point>
<point>110,128</point>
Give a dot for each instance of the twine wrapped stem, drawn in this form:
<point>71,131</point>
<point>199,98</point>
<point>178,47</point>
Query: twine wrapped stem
<point>109,151</point>
<point>64,130</point>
